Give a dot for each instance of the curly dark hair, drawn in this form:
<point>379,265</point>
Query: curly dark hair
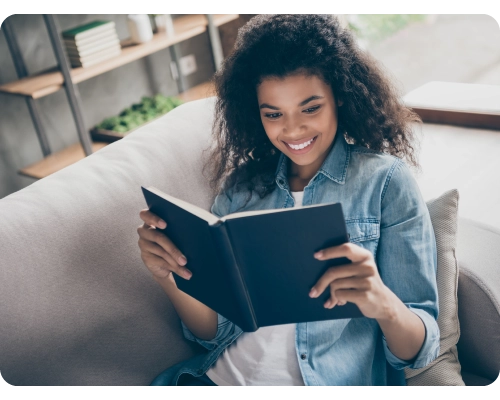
<point>276,46</point>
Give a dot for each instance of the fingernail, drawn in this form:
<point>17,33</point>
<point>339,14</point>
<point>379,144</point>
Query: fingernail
<point>327,304</point>
<point>313,293</point>
<point>318,254</point>
<point>187,274</point>
<point>162,224</point>
<point>182,260</point>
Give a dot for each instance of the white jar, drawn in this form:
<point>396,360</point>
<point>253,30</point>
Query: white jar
<point>170,26</point>
<point>164,23</point>
<point>139,27</point>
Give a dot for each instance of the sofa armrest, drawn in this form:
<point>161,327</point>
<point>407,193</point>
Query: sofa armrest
<point>478,254</point>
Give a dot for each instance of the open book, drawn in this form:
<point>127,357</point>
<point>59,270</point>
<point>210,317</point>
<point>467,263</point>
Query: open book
<point>256,268</point>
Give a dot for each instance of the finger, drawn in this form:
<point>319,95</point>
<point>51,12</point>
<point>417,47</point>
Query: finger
<point>152,247</point>
<point>351,296</point>
<point>152,219</point>
<point>162,240</point>
<point>351,251</point>
<point>338,272</point>
<point>342,284</point>
<point>161,268</point>
<point>144,229</point>
<point>156,265</point>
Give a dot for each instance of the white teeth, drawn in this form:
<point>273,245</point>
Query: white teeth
<point>301,146</point>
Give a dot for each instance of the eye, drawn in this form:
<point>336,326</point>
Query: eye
<point>312,109</point>
<point>271,116</point>
<point>276,115</point>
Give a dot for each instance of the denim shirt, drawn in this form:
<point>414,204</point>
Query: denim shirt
<point>386,214</point>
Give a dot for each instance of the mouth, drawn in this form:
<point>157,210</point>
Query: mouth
<point>304,147</point>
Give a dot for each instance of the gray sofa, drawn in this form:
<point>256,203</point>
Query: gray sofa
<point>77,305</point>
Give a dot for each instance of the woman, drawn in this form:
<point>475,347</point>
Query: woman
<point>303,117</point>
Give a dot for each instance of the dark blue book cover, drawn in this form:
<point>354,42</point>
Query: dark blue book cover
<point>256,268</point>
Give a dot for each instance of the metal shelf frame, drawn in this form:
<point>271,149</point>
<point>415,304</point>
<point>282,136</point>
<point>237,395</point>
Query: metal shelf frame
<point>22,72</point>
<point>71,88</point>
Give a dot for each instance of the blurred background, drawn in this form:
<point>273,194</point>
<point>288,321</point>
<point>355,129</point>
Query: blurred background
<point>40,134</point>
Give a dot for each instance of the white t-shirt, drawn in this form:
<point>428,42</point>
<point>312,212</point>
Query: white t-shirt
<point>266,357</point>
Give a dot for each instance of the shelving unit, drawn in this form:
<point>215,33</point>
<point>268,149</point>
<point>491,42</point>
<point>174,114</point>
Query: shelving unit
<point>197,92</point>
<point>45,83</point>
<point>58,161</point>
<point>51,81</point>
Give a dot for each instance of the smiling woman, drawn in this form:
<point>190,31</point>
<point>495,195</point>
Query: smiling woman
<point>323,59</point>
<point>302,129</point>
<point>290,96</point>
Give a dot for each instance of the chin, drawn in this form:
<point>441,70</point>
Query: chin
<point>302,160</point>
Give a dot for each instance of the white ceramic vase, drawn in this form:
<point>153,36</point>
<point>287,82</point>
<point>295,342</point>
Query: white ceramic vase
<point>139,27</point>
<point>165,24</point>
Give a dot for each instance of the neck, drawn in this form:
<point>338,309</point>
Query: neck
<point>301,172</point>
<point>297,179</point>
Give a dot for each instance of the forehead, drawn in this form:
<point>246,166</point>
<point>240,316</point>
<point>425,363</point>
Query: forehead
<point>292,88</point>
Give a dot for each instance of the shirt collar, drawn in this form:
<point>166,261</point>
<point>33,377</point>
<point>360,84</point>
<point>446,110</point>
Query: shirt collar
<point>334,166</point>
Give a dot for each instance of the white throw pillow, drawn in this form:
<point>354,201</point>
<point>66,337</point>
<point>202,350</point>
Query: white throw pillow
<point>444,370</point>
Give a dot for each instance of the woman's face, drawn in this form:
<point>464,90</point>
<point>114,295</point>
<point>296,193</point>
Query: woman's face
<point>299,114</point>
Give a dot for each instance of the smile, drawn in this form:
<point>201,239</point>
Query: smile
<point>298,147</point>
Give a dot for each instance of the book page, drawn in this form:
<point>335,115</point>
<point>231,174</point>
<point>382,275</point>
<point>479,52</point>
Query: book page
<point>212,219</point>
<point>195,210</point>
<point>261,212</point>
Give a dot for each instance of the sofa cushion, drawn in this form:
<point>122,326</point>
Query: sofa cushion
<point>445,369</point>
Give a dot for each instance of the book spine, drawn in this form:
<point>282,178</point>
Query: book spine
<point>88,41</point>
<point>87,32</point>
<point>224,248</point>
<point>100,44</point>
<point>97,55</point>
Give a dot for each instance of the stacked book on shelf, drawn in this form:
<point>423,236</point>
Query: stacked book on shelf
<point>91,43</point>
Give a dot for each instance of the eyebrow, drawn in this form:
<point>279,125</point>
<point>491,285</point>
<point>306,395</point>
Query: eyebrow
<point>302,103</point>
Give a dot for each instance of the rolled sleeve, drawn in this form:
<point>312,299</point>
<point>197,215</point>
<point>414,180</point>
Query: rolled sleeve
<point>407,259</point>
<point>225,328</point>
<point>429,350</point>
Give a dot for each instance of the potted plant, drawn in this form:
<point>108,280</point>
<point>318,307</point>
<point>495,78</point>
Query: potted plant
<point>133,117</point>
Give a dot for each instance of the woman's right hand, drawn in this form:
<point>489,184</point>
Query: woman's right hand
<point>158,252</point>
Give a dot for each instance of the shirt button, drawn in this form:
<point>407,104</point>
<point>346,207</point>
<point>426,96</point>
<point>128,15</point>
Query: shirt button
<point>303,356</point>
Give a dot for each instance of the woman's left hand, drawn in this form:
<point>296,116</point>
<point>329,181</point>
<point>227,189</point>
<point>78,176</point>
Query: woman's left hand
<point>358,283</point>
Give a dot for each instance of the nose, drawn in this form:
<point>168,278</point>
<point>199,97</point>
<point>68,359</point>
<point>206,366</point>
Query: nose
<point>293,126</point>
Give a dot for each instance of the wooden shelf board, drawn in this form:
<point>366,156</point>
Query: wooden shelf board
<point>74,153</point>
<point>51,81</point>
<point>197,92</point>
<point>59,160</point>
